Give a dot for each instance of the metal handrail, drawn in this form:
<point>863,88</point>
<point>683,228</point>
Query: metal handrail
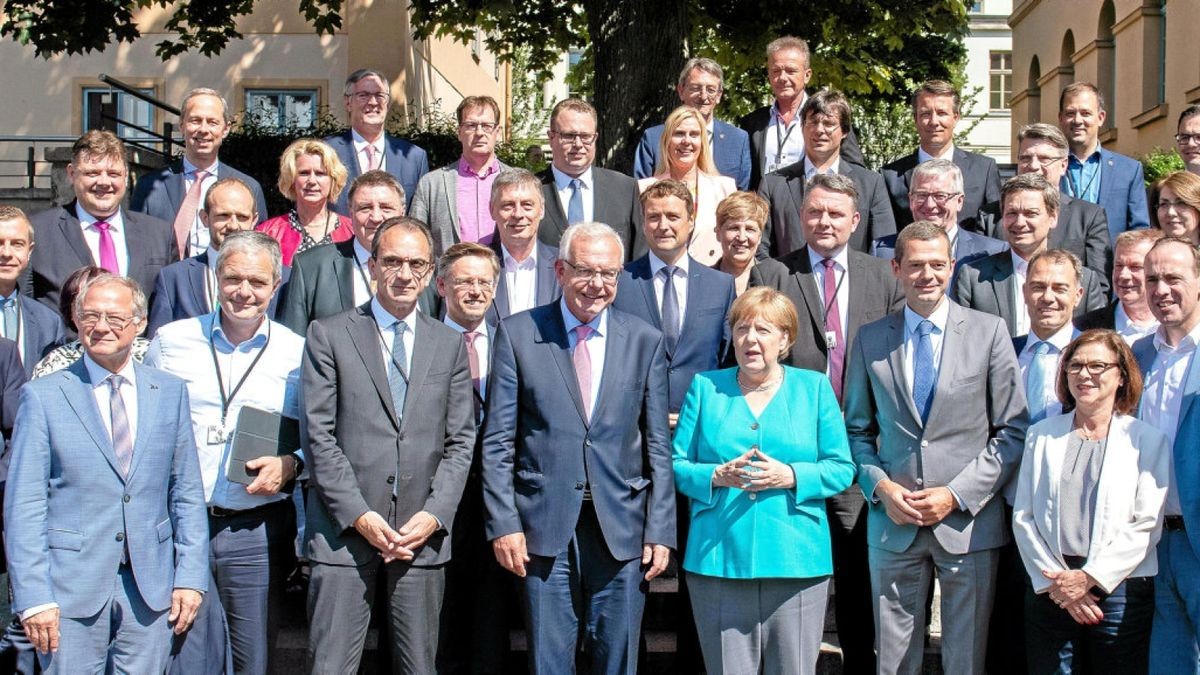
<point>167,136</point>
<point>117,84</point>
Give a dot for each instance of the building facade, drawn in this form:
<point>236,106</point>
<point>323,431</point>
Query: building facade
<point>989,44</point>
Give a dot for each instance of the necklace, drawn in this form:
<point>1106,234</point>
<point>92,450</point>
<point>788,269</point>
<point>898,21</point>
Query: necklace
<point>762,387</point>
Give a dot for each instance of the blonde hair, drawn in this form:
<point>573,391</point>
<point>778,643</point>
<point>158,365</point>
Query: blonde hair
<point>677,117</point>
<point>742,206</point>
<point>329,159</point>
<point>769,305</point>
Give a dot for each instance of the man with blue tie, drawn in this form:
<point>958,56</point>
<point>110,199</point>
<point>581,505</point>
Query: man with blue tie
<point>577,475</point>
<point>1172,383</point>
<point>35,328</point>
<point>112,544</point>
<point>936,416</point>
<point>701,85</point>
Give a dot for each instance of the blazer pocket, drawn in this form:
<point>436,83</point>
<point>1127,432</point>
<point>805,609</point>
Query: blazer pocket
<point>529,478</point>
<point>164,530</point>
<point>970,379</point>
<point>69,540</point>
<point>638,484</point>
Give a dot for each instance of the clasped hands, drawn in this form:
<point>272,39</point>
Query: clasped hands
<point>1071,590</point>
<point>920,507</point>
<point>754,471</point>
<point>396,544</point>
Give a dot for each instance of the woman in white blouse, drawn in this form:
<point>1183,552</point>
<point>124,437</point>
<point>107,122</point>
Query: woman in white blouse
<point>1088,515</point>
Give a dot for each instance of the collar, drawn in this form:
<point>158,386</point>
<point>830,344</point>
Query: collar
<point>1187,344</point>
<point>923,156</point>
<point>98,373</point>
<point>361,254</point>
<point>940,317</point>
<point>1059,340</point>
<point>711,127</point>
<point>1092,158</point>
<point>562,181</point>
<point>490,168</point>
<point>482,329</point>
<point>775,108</point>
<point>360,142</point>
<point>386,320</point>
<point>599,323</point>
<point>216,330</point>
<point>16,295</point>
<point>1020,265</point>
<point>212,258</point>
<point>530,261</point>
<point>1122,319</point>
<point>656,264</point>
<point>212,170</point>
<point>810,170</point>
<point>840,259</point>
<point>115,222</point>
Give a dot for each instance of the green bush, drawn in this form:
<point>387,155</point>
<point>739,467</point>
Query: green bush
<point>1161,162</point>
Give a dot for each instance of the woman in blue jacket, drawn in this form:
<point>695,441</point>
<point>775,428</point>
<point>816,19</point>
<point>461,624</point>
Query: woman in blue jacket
<point>757,450</point>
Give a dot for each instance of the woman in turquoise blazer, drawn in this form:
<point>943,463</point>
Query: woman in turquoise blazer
<point>757,450</point>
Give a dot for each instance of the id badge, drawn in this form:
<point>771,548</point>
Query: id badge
<point>216,434</point>
<point>771,168</point>
<point>831,339</point>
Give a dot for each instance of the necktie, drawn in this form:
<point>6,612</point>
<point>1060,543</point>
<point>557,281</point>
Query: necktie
<point>473,360</point>
<point>10,318</point>
<point>121,440</point>
<point>1035,382</point>
<point>186,216</point>
<point>108,250</point>
<point>370,151</point>
<point>583,367</point>
<point>575,206</point>
<point>833,328</point>
<point>670,307</point>
<point>923,370</point>
<point>397,377</point>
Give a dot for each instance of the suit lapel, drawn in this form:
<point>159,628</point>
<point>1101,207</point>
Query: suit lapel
<point>952,346</point>
<point>1004,278</point>
<point>554,215</point>
<point>694,293</point>
<point>857,296</point>
<point>346,267</point>
<point>555,334</point>
<point>806,281</point>
<point>1191,389</point>
<point>547,284</point>
<point>364,335</point>
<point>148,399</point>
<point>640,272</point>
<point>424,349</point>
<point>174,184</point>
<point>899,371</point>
<point>197,280</point>
<point>72,233</point>
<point>77,389</point>
<point>795,238</point>
<point>617,335</point>
<point>450,191</point>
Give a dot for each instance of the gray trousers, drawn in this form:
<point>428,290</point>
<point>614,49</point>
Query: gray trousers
<point>752,626</point>
<point>339,609</point>
<point>900,583</point>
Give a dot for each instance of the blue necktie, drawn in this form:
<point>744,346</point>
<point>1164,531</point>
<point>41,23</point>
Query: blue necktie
<point>397,378</point>
<point>121,439</point>
<point>670,308</point>
<point>575,206</point>
<point>924,374</point>
<point>1035,382</point>
<point>10,318</point>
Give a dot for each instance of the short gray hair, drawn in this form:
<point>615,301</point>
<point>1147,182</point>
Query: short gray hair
<point>251,242</point>
<point>936,168</point>
<point>702,64</point>
<point>587,231</point>
<point>833,182</point>
<point>140,309</point>
<point>789,42</point>
<point>205,91</point>
<point>1041,131</point>
<point>360,75</point>
<point>1031,182</point>
<point>516,177</point>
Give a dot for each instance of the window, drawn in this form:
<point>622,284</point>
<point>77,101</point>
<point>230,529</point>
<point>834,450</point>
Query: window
<point>975,7</point>
<point>102,107</point>
<point>1000,70</point>
<point>282,108</point>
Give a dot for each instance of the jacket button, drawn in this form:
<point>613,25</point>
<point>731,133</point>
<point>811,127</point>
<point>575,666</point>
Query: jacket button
<point>924,444</point>
<point>120,536</point>
<point>753,496</point>
<point>588,443</point>
<point>920,482</point>
<point>391,480</point>
<point>579,485</point>
<point>754,426</point>
<point>126,499</point>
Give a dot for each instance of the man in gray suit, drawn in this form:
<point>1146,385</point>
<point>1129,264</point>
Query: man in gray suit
<point>453,200</point>
<point>935,411</point>
<point>389,430</point>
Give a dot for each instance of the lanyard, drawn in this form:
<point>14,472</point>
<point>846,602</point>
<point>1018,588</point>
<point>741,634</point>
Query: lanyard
<point>363,275</point>
<point>1075,191</point>
<point>227,398</point>
<point>782,139</point>
<point>829,301</point>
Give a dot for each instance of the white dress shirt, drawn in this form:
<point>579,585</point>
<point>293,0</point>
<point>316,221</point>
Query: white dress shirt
<point>679,281</point>
<point>520,280</point>
<point>841,282</point>
<point>562,183</point>
<point>360,152</point>
<point>362,274</point>
<point>596,344</point>
<point>783,144</point>
<point>1057,343</point>
<point>939,317</point>
<point>182,349</point>
<point>387,336</point>
<point>1131,332</point>
<point>91,236</point>
<point>100,390</point>
<point>1020,272</point>
<point>210,279</point>
<point>1162,396</point>
<point>947,154</point>
<point>198,238</point>
<point>810,169</point>
<point>482,350</point>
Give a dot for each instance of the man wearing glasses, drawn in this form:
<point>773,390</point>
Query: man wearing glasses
<point>575,191</point>
<point>389,430</point>
<point>578,485</point>
<point>367,146</point>
<point>453,200</point>
<point>1187,137</point>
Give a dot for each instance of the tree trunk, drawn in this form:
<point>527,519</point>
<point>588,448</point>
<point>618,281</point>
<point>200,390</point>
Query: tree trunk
<point>638,49</point>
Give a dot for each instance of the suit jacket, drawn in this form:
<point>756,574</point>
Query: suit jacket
<point>12,378</point>
<point>981,184</point>
<point>405,161</point>
<point>971,442</point>
<point>321,284</point>
<point>66,496</point>
<point>61,250</point>
<point>986,285</point>
<point>784,191</point>
<point>1104,317</point>
<point>704,335</point>
<point>1122,193</point>
<point>1185,461</point>
<point>1127,517</point>
<point>179,293</point>
<point>540,449</point>
<point>616,204</point>
<point>731,535</point>
<point>873,294</point>
<point>161,193</point>
<point>1081,229</point>
<point>711,190</point>
<point>756,123</point>
<point>42,331</point>
<point>435,203</point>
<point>730,148</point>
<point>361,454</point>
<point>968,247</point>
<point>545,288</point>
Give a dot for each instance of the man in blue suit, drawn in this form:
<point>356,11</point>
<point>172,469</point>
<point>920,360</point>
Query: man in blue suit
<point>577,475</point>
<point>701,84</point>
<point>188,288</point>
<point>1172,375</point>
<point>1094,174</point>
<point>36,328</point>
<point>174,193</point>
<point>111,542</point>
<point>367,146</point>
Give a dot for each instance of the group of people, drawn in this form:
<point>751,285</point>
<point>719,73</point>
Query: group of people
<point>475,395</point>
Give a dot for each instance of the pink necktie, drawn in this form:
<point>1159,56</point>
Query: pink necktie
<point>186,217</point>
<point>473,362</point>
<point>833,324</point>
<point>108,250</point>
<point>583,367</point>
<point>370,150</point>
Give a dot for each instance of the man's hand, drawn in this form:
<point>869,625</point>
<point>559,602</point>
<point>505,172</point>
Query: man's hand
<point>511,552</point>
<point>273,472</point>
<point>656,556</point>
<point>379,534</point>
<point>730,474</point>
<point>1086,611</point>
<point>765,472</point>
<point>417,530</point>
<point>42,630</point>
<point>673,420</point>
<point>1068,586</point>
<point>185,602</point>
<point>895,501</point>
<point>933,504</point>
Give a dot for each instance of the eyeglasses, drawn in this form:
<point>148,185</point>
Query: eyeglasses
<point>417,266</point>
<point>1165,205</point>
<point>826,125</point>
<point>701,89</point>
<point>1187,139</point>
<point>1093,367</point>
<point>939,198</point>
<point>369,96</point>
<point>569,138</point>
<point>472,127</point>
<point>1042,160</point>
<point>481,284</point>
<point>115,321</point>
<point>587,274</point>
